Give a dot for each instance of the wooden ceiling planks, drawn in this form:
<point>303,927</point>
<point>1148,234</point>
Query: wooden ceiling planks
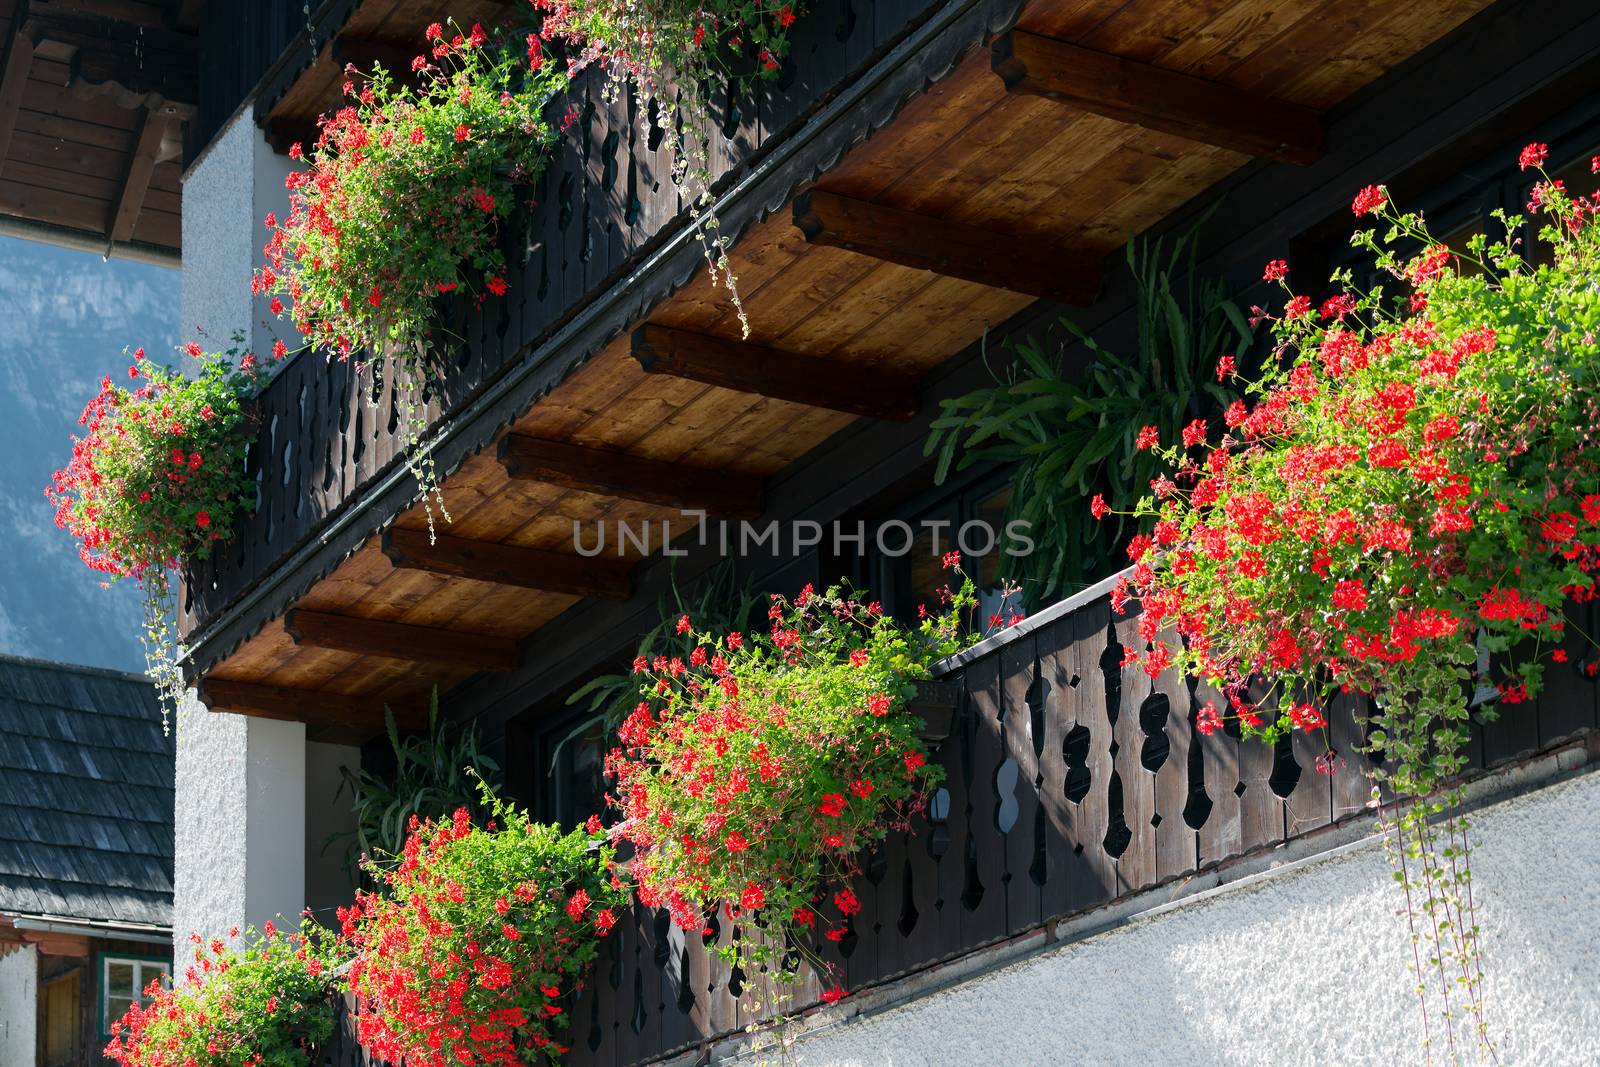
<point>72,147</point>
<point>965,150</point>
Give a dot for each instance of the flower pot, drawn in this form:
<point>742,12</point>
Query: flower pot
<point>935,703</point>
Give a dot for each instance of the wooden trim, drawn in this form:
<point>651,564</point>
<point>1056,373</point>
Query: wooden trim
<point>1158,99</point>
<point>401,641</point>
<point>304,705</point>
<point>19,60</point>
<point>748,368</point>
<point>650,481</point>
<point>955,250</point>
<point>152,130</point>
<point>526,568</point>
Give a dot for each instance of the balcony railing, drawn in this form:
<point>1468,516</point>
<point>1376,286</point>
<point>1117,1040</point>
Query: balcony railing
<point>605,202</point>
<point>1071,781</point>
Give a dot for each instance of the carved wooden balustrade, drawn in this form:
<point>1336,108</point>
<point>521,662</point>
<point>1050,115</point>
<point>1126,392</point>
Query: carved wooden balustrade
<point>604,203</point>
<point>1071,781</point>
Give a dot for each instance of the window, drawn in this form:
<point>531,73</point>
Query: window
<point>122,981</point>
<point>58,1021</point>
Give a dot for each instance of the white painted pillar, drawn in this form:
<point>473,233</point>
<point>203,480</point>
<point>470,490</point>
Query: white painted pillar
<point>241,782</point>
<point>240,822</point>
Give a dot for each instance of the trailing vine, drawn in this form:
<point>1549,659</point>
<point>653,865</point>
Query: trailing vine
<point>1409,490</point>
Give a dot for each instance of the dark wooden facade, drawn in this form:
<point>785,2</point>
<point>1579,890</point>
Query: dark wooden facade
<point>900,121</point>
<point>95,101</point>
<point>1070,782</point>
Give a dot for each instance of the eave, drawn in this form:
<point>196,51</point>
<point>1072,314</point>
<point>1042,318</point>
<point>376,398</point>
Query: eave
<point>930,131</point>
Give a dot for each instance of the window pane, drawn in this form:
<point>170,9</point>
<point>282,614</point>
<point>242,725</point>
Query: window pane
<point>116,1008</point>
<point>119,978</point>
<point>147,973</point>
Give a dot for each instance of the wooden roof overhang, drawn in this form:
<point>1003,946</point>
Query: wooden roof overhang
<point>993,158</point>
<point>94,98</point>
<point>309,82</point>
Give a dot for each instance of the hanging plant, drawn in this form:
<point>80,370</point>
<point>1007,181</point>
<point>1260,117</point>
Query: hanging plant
<point>474,947</point>
<point>158,478</point>
<point>753,773</point>
<point>270,1002</point>
<point>1409,486</point>
<point>675,52</point>
<point>401,203</point>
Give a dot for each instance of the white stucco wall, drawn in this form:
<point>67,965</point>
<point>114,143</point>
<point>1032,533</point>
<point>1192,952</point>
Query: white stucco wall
<point>241,783</point>
<point>226,197</point>
<point>19,1012</point>
<point>240,822</point>
<point>1305,965</point>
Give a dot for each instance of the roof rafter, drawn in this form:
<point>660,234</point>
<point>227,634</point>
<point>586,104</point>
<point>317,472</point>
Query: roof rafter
<point>751,368</point>
<point>402,641</point>
<point>1158,99</point>
<point>953,249</point>
<point>303,705</point>
<point>628,477</point>
<point>514,565</point>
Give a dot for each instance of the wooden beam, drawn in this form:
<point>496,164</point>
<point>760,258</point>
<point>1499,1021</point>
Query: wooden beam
<point>309,706</point>
<point>650,481</point>
<point>526,568</point>
<point>281,133</point>
<point>401,641</point>
<point>135,66</point>
<point>136,183</point>
<point>953,249</point>
<point>19,61</point>
<point>748,368</point>
<point>1158,99</point>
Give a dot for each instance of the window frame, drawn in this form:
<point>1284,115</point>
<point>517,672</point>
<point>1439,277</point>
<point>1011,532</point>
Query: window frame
<point>102,966</point>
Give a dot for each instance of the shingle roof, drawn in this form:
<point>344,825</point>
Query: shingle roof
<point>86,793</point>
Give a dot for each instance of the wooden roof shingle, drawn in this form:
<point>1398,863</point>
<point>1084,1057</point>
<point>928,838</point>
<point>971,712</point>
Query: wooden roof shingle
<point>86,795</point>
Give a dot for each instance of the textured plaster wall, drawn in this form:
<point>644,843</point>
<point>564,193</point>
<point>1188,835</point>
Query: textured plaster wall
<point>226,195</point>
<point>241,803</point>
<point>19,1013</point>
<point>1304,966</point>
<point>240,821</point>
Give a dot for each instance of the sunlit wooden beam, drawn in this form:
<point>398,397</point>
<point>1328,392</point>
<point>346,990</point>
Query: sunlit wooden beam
<point>136,183</point>
<point>748,368</point>
<point>1158,99</point>
<point>526,568</point>
<point>617,474</point>
<point>304,705</point>
<point>402,641</point>
<point>979,254</point>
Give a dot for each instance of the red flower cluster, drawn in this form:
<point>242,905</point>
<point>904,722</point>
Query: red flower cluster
<point>480,936</point>
<point>267,1002</point>
<point>751,776</point>
<point>1401,491</point>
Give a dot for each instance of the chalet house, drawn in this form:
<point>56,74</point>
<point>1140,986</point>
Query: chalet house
<point>1098,881</point>
<point>86,786</point>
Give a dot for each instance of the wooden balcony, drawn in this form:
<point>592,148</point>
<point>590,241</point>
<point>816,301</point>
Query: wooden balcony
<point>1071,782</point>
<point>920,175</point>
